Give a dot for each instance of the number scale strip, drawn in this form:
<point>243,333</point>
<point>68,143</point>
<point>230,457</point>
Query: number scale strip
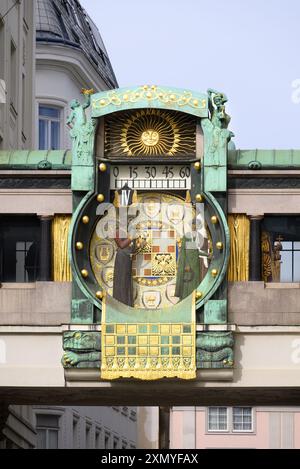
<point>177,177</point>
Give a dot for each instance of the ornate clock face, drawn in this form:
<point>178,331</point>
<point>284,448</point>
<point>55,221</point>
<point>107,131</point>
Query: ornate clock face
<point>159,272</point>
<point>171,245</point>
<point>169,248</point>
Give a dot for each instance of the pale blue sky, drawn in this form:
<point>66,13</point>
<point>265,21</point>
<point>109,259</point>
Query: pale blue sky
<point>248,49</point>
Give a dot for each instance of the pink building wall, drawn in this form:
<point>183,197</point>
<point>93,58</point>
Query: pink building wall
<point>272,428</point>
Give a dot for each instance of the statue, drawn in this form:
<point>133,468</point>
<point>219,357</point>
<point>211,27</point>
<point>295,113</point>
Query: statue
<point>277,248</point>
<point>82,130</point>
<point>217,134</point>
<point>219,117</point>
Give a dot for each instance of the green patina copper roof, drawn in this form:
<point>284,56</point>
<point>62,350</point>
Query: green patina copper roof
<point>53,159</point>
<point>237,159</point>
<point>264,159</point>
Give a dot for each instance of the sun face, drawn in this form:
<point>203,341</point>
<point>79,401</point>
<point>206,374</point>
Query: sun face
<point>150,138</point>
<point>150,132</point>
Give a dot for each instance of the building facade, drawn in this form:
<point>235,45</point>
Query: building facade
<point>235,427</point>
<point>86,427</point>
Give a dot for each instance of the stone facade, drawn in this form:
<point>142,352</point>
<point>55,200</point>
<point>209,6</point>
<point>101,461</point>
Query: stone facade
<point>271,428</point>
<point>17,70</point>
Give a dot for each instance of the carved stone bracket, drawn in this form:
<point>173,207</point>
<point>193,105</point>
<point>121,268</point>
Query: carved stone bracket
<point>214,349</point>
<point>81,349</point>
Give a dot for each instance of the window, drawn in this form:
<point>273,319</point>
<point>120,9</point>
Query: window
<point>23,104</point>
<point>107,440</point>
<point>49,127</point>
<point>290,261</point>
<point>217,419</point>
<point>116,443</point>
<point>65,5</point>
<point>281,249</point>
<point>19,249</point>
<point>75,431</point>
<point>27,12</point>
<point>77,16</point>
<point>98,438</point>
<point>2,52</point>
<point>242,419</point>
<point>75,36</point>
<point>13,75</point>
<point>61,22</point>
<point>47,427</point>
<point>88,435</point>
<point>230,419</point>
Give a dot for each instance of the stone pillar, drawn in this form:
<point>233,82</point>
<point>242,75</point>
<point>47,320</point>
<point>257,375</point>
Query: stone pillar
<point>255,248</point>
<point>45,253</point>
<point>164,427</point>
<point>147,427</point>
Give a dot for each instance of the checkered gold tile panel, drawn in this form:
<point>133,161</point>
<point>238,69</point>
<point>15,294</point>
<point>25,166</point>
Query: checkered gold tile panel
<point>148,351</point>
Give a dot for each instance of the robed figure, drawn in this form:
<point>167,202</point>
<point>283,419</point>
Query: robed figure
<point>123,283</point>
<point>191,267</point>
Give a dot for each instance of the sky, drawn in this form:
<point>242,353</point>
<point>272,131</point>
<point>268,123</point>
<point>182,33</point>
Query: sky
<point>248,49</point>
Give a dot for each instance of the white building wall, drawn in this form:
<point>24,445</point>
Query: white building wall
<point>61,74</point>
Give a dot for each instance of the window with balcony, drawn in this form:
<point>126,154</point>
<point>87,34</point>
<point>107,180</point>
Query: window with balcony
<point>49,127</point>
